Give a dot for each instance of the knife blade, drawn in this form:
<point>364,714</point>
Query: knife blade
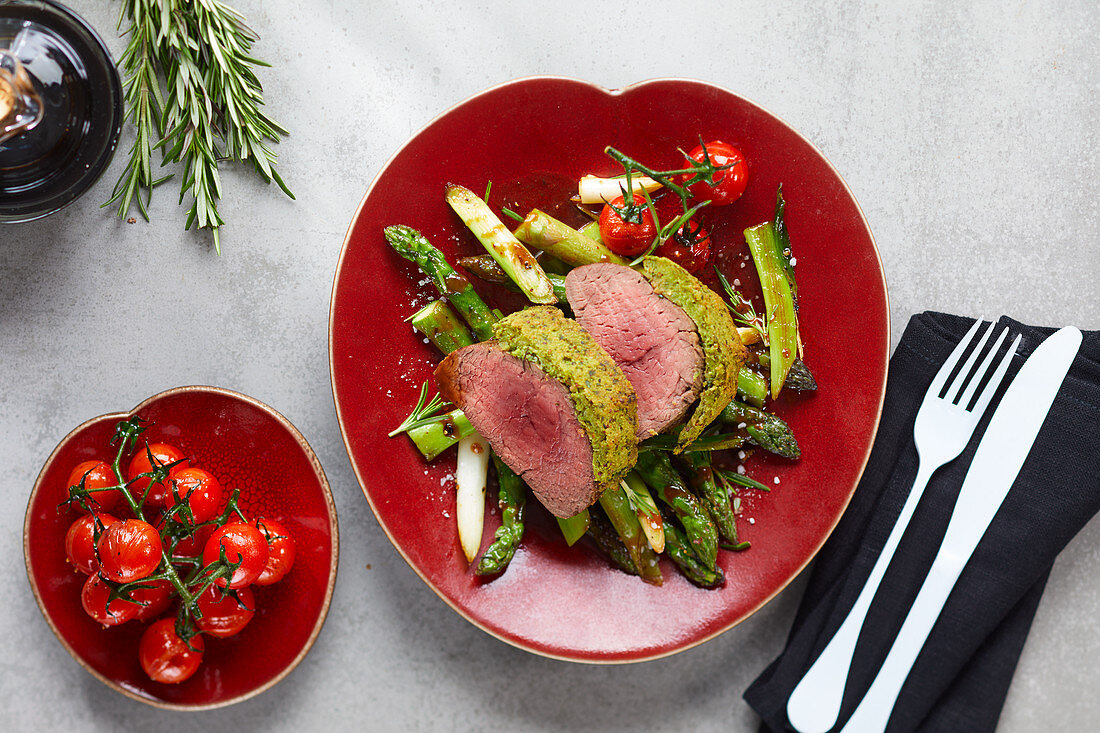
<point>997,462</point>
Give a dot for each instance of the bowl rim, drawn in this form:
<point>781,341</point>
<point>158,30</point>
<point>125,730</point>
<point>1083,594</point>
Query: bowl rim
<point>613,92</point>
<point>330,506</point>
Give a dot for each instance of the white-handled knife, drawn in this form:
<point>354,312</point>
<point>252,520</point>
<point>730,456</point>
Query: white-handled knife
<point>997,462</point>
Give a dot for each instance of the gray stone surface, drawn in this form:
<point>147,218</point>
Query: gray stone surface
<point>968,132</point>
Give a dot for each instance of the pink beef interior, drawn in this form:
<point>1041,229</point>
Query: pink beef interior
<point>651,339</point>
<point>529,420</point>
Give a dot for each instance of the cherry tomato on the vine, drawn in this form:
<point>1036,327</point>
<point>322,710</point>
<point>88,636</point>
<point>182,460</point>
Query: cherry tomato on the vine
<point>128,550</point>
<point>139,464</point>
<point>627,238</point>
<point>97,475</point>
<point>730,183</point>
<point>280,551</point>
<point>689,247</point>
<point>199,488</point>
<point>93,597</point>
<point>242,542</point>
<point>155,599</point>
<point>80,541</point>
<point>223,614</point>
<point>165,657</point>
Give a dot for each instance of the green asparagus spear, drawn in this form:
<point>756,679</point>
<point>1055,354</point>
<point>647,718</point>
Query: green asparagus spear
<point>799,377</point>
<point>646,509</point>
<point>485,267</point>
<point>657,471</point>
<point>752,387</point>
<point>574,527</point>
<point>768,431</point>
<point>509,253</point>
<point>715,498</point>
<point>413,246</point>
<point>542,231</point>
<point>441,326</point>
<point>622,516</point>
<point>438,436</point>
<point>772,259</point>
<point>511,500</point>
<point>679,550</point>
<point>608,541</point>
<point>667,442</point>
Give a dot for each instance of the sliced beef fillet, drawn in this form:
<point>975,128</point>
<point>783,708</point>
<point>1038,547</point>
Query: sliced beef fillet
<point>652,340</point>
<point>551,403</point>
<point>528,419</point>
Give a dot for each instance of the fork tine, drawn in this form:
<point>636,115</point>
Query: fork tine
<point>995,380</point>
<point>941,376</point>
<point>983,369</point>
<point>960,378</point>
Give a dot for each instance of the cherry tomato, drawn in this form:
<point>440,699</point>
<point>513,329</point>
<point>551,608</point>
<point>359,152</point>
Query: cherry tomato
<point>222,614</point>
<point>730,183</point>
<point>280,551</point>
<point>690,249</point>
<point>93,598</point>
<point>128,550</point>
<point>241,542</point>
<point>199,488</point>
<point>623,237</point>
<point>80,541</point>
<point>97,475</point>
<point>139,464</point>
<point>155,599</point>
<point>165,657</point>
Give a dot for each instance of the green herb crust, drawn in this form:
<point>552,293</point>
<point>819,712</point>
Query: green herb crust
<point>605,403</point>
<point>723,352</point>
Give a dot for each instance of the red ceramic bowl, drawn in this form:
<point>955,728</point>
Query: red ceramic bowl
<point>248,446</point>
<point>535,137</point>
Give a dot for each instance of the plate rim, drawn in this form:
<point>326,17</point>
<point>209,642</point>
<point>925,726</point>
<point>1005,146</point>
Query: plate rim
<point>330,506</point>
<point>613,92</point>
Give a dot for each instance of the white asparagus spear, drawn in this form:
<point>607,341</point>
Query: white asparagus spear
<point>470,475</point>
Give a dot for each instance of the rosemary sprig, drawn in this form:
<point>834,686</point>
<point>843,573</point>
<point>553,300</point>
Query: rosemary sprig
<point>200,50</point>
<point>740,479</point>
<point>426,412</point>
<point>742,309</point>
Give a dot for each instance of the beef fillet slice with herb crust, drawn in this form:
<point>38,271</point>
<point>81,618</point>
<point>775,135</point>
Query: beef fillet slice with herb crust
<point>723,352</point>
<point>651,339</point>
<point>671,335</point>
<point>551,403</point>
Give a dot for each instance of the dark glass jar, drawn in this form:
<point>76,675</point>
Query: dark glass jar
<point>67,71</point>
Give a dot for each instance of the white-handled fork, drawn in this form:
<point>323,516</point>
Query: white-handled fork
<point>943,428</point>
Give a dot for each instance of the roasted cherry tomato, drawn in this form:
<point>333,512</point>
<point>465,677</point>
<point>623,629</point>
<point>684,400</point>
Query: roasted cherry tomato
<point>199,489</point>
<point>97,475</point>
<point>165,657</point>
<point>689,247</point>
<point>242,542</point>
<point>280,551</point>
<point>730,183</point>
<point>80,541</point>
<point>154,599</point>
<point>94,599</point>
<point>627,238</point>
<point>139,464</point>
<point>128,550</point>
<point>223,614</point>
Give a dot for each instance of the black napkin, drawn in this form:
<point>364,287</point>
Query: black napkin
<point>961,677</point>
